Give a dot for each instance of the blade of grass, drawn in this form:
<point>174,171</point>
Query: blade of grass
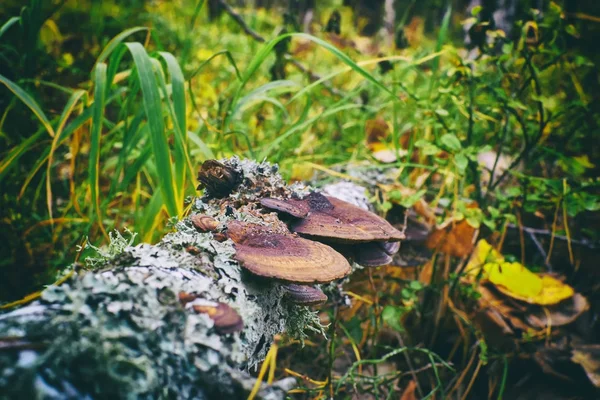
<point>441,39</point>
<point>152,106</point>
<point>303,125</point>
<point>29,102</point>
<point>268,47</point>
<point>96,131</point>
<point>11,21</point>
<point>16,152</point>
<point>283,86</point>
<point>117,40</point>
<point>150,216</point>
<point>178,114</point>
<point>69,107</point>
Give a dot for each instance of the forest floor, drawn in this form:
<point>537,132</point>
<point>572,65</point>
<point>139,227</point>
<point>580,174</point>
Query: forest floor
<point>487,157</point>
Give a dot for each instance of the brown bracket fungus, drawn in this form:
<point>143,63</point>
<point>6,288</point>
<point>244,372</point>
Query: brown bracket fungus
<point>304,295</point>
<point>226,319</point>
<point>284,256</point>
<point>204,223</point>
<point>218,179</point>
<point>372,254</point>
<point>336,221</point>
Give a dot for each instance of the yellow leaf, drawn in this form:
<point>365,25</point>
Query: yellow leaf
<point>514,279</point>
<point>484,253</point>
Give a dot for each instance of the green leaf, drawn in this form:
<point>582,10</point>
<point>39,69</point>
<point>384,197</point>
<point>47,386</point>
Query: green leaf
<point>428,148</point>
<point>152,106</point>
<point>442,112</point>
<point>408,202</point>
<point>451,142</point>
<point>392,316</point>
<point>11,21</point>
<point>461,162</point>
<point>71,103</point>
<point>29,102</point>
<point>178,114</point>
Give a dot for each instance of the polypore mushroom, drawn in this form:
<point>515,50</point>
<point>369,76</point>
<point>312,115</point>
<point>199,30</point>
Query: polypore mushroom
<point>283,256</point>
<point>334,220</point>
<point>204,223</point>
<point>304,295</point>
<point>226,319</point>
<point>372,254</point>
<point>218,179</point>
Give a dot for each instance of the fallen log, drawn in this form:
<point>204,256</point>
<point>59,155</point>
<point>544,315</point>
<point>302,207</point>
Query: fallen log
<point>179,319</point>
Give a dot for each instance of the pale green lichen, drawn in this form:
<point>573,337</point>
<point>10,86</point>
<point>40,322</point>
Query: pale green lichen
<point>119,330</point>
<point>117,243</point>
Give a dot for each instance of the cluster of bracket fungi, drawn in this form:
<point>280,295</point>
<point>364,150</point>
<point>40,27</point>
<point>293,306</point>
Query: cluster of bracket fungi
<point>309,242</point>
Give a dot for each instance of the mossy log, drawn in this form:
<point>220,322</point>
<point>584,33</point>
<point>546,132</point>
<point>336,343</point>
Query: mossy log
<point>120,330</point>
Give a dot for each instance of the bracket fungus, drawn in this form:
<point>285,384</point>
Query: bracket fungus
<point>226,319</point>
<point>284,256</point>
<point>332,220</point>
<point>304,295</point>
<point>204,223</point>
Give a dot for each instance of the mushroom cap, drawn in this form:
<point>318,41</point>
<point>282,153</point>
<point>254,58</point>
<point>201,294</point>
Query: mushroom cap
<point>285,256</point>
<point>226,319</point>
<point>204,223</point>
<point>295,208</point>
<point>335,220</point>
<point>305,295</point>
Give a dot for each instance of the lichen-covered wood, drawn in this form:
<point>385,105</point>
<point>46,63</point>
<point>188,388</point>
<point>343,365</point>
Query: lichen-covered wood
<point>180,319</point>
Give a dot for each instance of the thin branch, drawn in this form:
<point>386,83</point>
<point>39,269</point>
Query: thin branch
<point>583,242</point>
<point>238,18</point>
<point>256,36</point>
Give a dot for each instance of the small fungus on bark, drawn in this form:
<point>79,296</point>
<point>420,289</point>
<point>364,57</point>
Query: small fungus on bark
<point>285,256</point>
<point>204,223</point>
<point>226,319</point>
<point>218,179</point>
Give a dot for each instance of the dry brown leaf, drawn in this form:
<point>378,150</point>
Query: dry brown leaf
<point>409,392</point>
<point>376,130</point>
<point>563,313</point>
<point>512,313</point>
<point>588,356</point>
<point>453,238</point>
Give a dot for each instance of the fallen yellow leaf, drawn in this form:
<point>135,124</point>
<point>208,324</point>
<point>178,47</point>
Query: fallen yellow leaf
<point>514,279</point>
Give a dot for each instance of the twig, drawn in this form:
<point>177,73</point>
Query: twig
<point>583,242</point>
<point>529,144</point>
<point>473,164</point>
<point>541,250</point>
<point>413,372</point>
<point>238,18</point>
<point>498,154</point>
<point>256,36</point>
